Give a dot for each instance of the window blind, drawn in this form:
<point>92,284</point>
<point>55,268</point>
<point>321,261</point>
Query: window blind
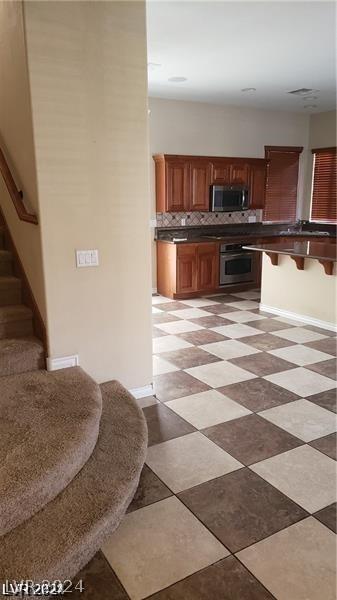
<point>281,186</point>
<point>324,186</point>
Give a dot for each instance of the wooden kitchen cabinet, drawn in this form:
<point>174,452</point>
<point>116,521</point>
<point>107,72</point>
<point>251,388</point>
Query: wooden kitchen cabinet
<point>257,185</point>
<point>200,181</point>
<point>183,182</point>
<point>207,266</point>
<point>187,280</point>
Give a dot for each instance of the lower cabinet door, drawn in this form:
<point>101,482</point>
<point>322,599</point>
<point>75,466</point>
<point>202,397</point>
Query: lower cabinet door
<point>208,266</point>
<point>187,268</point>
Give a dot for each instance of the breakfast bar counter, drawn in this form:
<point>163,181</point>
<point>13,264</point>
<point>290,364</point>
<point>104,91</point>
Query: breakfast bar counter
<point>299,281</point>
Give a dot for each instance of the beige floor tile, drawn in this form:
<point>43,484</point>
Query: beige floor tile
<point>304,474</point>
<point>229,349</point>
<point>169,342</point>
<point>160,366</point>
<point>178,327</point>
<point>198,302</point>
<point>237,330</point>
<point>158,545</point>
<point>243,316</point>
<point>189,460</point>
<point>303,419</point>
<point>297,563</point>
<point>207,409</point>
<point>301,355</point>
<point>190,313</point>
<point>160,300</point>
<point>244,304</point>
<point>302,381</point>
<point>156,311</point>
<point>299,335</point>
<point>220,373</point>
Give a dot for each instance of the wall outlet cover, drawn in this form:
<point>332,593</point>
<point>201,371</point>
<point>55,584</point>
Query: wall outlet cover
<point>87,258</point>
<point>252,219</point>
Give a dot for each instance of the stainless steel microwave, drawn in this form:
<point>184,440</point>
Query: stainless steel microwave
<point>229,198</point>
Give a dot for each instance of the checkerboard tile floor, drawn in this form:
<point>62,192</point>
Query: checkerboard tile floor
<point>237,499</point>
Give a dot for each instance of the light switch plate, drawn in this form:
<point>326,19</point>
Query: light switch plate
<point>87,258</point>
<point>153,223</point>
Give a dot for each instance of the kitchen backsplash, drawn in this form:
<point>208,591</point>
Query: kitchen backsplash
<point>207,218</point>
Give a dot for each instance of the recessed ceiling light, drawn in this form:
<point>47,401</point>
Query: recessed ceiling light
<point>177,79</point>
<point>248,90</point>
<point>152,66</point>
<point>302,91</point>
<point>310,106</point>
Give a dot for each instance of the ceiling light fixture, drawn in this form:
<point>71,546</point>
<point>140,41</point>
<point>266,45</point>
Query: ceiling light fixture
<point>177,79</point>
<point>302,91</point>
<point>248,89</point>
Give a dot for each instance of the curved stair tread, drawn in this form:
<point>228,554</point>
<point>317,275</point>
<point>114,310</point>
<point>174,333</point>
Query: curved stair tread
<point>19,355</point>
<point>59,540</point>
<point>49,424</point>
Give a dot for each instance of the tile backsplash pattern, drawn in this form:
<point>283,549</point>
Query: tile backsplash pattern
<point>206,218</point>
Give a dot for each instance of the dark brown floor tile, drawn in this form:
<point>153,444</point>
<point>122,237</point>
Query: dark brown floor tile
<point>228,579</point>
<point>189,357</point>
<point>241,508</point>
<point>99,582</point>
<point>169,306</point>
<point>262,364</point>
<point>211,321</point>
<point>176,385</point>
<point>326,368</point>
<point>327,345</point>
<point>327,445</point>
<point>150,489</point>
<point>156,333</point>
<point>218,309</point>
<point>268,325</point>
<point>251,438</point>
<point>163,424</point>
<point>164,318</point>
<point>320,330</point>
<point>326,400</point>
<point>328,516</point>
<point>258,394</point>
<point>266,341</point>
<point>203,336</point>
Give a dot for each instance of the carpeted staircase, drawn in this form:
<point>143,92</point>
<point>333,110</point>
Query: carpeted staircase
<point>71,451</point>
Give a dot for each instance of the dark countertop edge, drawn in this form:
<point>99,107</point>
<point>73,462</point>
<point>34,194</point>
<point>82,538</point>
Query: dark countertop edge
<point>243,236</point>
<point>277,249</point>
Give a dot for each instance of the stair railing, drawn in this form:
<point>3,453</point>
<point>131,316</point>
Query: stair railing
<point>14,193</point>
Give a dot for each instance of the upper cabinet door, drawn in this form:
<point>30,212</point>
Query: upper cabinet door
<point>239,173</point>
<point>201,178</point>
<point>177,185</point>
<point>221,172</point>
<point>257,186</point>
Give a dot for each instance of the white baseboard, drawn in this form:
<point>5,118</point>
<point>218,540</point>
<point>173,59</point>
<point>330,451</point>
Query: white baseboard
<point>302,318</point>
<point>154,290</point>
<point>142,392</point>
<point>64,362</point>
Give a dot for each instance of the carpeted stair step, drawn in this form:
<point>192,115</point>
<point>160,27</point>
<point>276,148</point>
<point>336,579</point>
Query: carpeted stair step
<point>49,424</point>
<point>10,290</point>
<point>6,260</point>
<point>15,321</point>
<point>19,355</point>
<point>60,539</point>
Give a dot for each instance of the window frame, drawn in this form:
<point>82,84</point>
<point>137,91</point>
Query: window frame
<point>291,149</point>
<point>315,151</point>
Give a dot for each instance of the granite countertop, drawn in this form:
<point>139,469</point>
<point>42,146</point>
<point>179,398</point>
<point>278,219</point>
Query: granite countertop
<point>310,249</point>
<point>187,239</point>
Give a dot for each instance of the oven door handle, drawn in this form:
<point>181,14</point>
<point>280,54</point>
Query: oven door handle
<point>231,256</point>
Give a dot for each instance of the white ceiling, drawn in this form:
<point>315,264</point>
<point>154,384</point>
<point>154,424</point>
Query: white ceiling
<point>222,47</point>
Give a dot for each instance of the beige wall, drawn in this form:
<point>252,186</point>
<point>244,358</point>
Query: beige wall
<point>16,139</point>
<point>87,65</point>
<point>178,127</point>
<point>309,293</point>
<point>322,134</point>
